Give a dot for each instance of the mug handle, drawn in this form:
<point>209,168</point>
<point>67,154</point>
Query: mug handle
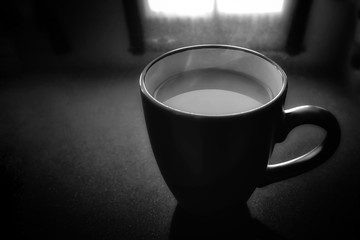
<point>292,118</point>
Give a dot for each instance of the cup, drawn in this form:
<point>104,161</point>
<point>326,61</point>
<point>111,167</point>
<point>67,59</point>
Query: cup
<point>214,159</point>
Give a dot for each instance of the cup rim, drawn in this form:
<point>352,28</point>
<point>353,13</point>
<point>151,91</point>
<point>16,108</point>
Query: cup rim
<point>211,46</point>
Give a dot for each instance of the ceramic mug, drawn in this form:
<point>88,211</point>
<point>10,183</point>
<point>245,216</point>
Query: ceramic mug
<point>213,161</point>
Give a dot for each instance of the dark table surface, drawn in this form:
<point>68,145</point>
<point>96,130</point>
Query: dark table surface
<point>76,162</point>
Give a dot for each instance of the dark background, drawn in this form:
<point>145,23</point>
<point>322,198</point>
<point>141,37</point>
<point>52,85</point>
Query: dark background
<point>75,159</point>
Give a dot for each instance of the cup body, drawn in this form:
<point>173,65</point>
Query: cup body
<point>212,162</point>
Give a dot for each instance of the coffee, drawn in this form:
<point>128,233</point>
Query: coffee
<point>213,91</point>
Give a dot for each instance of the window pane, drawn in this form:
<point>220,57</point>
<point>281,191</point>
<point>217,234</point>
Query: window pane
<point>249,6</point>
<point>182,8</point>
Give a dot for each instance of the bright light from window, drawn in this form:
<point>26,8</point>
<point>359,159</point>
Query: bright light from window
<point>201,8</point>
<point>250,6</point>
<point>182,8</point>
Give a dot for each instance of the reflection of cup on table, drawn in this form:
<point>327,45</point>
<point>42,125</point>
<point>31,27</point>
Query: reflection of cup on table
<point>213,114</point>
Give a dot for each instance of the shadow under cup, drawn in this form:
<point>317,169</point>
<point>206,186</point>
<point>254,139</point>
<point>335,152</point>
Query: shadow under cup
<point>212,162</point>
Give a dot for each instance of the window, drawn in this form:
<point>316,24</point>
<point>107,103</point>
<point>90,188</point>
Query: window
<point>205,8</point>
<point>257,24</point>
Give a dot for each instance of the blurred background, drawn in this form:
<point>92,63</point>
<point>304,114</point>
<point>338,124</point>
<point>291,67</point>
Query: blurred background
<point>38,33</point>
<point>75,159</point>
